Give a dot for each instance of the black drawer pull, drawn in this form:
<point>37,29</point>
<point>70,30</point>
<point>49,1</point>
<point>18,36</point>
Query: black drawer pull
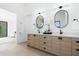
<point>34,35</point>
<point>60,38</point>
<point>77,41</point>
<point>44,42</point>
<point>44,48</point>
<point>77,49</point>
<point>28,39</point>
<point>44,37</point>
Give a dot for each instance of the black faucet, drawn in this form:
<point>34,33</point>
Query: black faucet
<point>38,31</point>
<point>61,32</point>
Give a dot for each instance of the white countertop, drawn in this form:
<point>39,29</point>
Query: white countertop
<point>61,35</point>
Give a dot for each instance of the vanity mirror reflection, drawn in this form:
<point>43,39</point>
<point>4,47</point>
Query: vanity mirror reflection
<point>61,19</point>
<point>39,21</point>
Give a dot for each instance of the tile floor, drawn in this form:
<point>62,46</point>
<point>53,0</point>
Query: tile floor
<point>9,47</point>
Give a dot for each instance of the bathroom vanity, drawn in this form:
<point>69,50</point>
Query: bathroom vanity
<point>58,44</point>
<point>64,45</point>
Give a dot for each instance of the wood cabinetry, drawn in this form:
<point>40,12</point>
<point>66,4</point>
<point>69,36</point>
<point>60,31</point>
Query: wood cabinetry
<point>46,43</point>
<point>61,46</point>
<point>75,46</point>
<point>55,45</point>
<point>64,46</point>
<point>33,40</point>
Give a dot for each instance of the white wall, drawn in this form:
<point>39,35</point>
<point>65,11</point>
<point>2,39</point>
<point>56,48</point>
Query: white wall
<point>18,9</point>
<point>26,18</point>
<point>21,11</point>
<point>11,19</point>
<point>26,15</point>
<point>49,12</point>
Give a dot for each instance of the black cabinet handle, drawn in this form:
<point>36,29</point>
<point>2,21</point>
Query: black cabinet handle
<point>77,41</point>
<point>60,38</point>
<point>44,37</point>
<point>34,35</point>
<point>44,42</point>
<point>44,48</point>
<point>77,49</point>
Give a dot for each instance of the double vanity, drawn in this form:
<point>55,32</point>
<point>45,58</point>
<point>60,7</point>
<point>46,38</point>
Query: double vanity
<point>64,45</point>
<point>58,44</point>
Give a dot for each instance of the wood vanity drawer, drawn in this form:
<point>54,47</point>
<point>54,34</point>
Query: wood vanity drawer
<point>46,43</point>
<point>34,45</point>
<point>34,41</point>
<point>46,48</point>
<point>30,36</point>
<point>75,47</point>
<point>75,42</point>
<point>44,38</point>
<point>34,38</point>
<point>31,44</point>
<point>75,52</point>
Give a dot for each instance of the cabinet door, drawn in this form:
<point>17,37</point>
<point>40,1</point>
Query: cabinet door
<point>75,46</point>
<point>55,45</point>
<point>65,46</point>
<point>30,39</point>
<point>33,40</point>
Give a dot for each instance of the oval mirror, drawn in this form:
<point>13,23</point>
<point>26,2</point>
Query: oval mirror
<point>61,19</point>
<point>39,22</point>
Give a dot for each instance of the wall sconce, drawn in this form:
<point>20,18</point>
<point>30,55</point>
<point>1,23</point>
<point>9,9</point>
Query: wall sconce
<point>60,7</point>
<point>39,13</point>
<point>75,20</point>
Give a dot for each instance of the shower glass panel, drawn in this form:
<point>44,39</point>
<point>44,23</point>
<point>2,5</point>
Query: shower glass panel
<point>3,29</point>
